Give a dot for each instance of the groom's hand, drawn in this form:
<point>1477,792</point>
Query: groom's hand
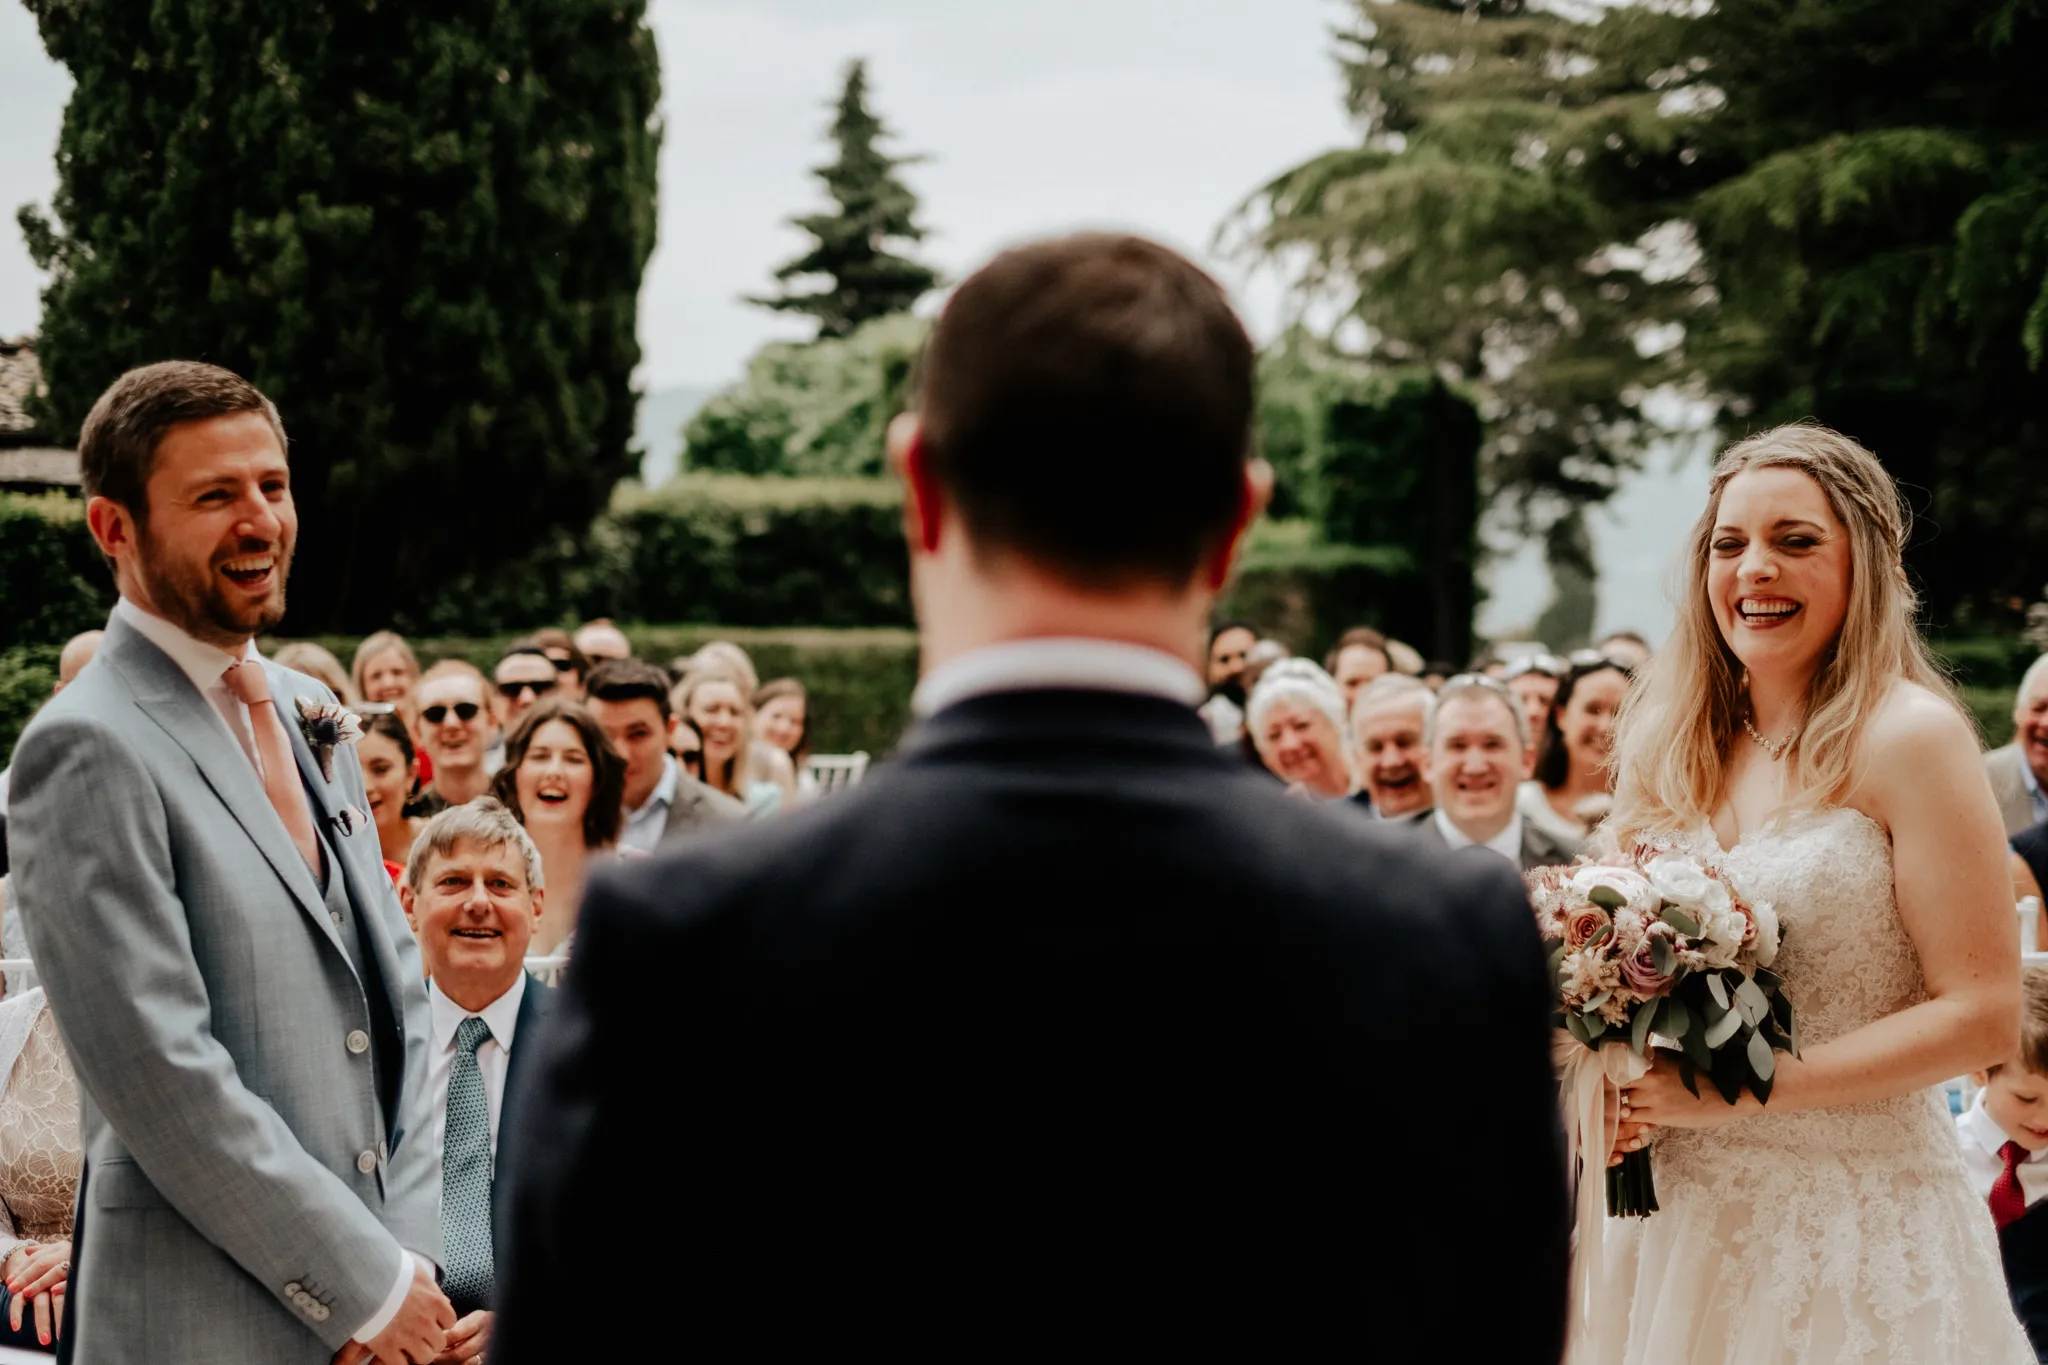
<point>417,1333</point>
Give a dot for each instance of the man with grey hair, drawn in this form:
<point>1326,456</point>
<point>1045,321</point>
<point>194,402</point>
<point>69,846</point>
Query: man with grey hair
<point>1478,738</point>
<point>1389,719</point>
<point>473,891</point>
<point>2019,771</point>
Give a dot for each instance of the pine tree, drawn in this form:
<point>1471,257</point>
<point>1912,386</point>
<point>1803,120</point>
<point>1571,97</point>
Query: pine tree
<point>874,209</point>
<point>419,228</point>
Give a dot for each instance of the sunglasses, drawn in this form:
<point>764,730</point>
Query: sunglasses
<point>510,691</point>
<point>465,711</point>
<point>1549,665</point>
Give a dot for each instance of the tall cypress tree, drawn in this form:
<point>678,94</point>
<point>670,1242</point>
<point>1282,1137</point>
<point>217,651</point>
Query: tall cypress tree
<point>419,228</point>
<point>874,209</point>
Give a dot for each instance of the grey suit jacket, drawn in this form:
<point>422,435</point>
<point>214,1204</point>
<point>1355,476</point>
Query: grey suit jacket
<point>2007,769</point>
<point>698,805</point>
<point>1539,849</point>
<point>248,1191</point>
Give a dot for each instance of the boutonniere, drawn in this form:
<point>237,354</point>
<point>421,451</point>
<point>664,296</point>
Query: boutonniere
<point>326,724</point>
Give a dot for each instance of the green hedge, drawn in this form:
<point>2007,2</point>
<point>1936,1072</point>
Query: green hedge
<point>53,583</point>
<point>859,680</point>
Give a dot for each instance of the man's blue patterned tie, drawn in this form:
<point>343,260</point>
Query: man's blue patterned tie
<point>466,1173</point>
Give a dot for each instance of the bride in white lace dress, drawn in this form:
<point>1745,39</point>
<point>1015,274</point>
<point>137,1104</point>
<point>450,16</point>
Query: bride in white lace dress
<point>1795,726</point>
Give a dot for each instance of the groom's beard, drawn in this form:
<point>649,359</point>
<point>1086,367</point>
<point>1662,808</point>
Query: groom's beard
<point>191,596</point>
<point>1232,689</point>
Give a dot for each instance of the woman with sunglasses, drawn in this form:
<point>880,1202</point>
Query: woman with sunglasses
<point>1573,782</point>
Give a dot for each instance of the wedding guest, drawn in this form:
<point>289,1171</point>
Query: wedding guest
<point>1389,721</point>
<point>474,893</point>
<point>40,1162</point>
<point>71,661</point>
<point>456,730</point>
<point>390,779</point>
<point>1478,754</point>
<point>600,640</point>
<point>1359,656</point>
<point>1296,718</point>
<point>2004,1136</point>
<point>629,700</point>
<point>2019,770</point>
<point>727,657</point>
<point>765,762</point>
<point>524,676</point>
<point>1230,646</point>
<point>718,704</point>
<point>1626,647</point>
<point>563,781</point>
<point>1437,672</point>
<point>782,712</point>
<point>303,656</point>
<point>385,669</point>
<point>1534,679</point>
<point>1570,791</point>
<point>572,668</point>
<point>1405,658</point>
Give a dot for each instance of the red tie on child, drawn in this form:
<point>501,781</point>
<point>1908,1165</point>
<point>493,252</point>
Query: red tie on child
<point>2008,1201</point>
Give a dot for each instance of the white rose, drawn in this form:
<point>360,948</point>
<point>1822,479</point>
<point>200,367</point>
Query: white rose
<point>1766,932</point>
<point>1627,884</point>
<point>1720,953</point>
<point>1682,881</point>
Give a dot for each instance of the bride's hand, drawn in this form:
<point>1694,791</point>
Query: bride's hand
<point>1661,1100</point>
<point>1629,1135</point>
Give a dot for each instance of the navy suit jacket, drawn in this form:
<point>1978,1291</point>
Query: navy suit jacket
<point>2023,1246</point>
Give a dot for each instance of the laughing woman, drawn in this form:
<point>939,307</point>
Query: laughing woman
<point>566,784</point>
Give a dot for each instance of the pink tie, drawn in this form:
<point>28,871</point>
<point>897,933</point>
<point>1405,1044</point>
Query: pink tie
<point>280,774</point>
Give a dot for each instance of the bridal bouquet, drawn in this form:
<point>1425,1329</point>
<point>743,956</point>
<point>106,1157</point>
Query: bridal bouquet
<point>1657,945</point>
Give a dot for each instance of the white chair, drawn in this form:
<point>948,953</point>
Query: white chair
<point>837,772</point>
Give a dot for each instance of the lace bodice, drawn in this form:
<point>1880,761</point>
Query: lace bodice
<point>1836,1235</point>
<point>39,1149</point>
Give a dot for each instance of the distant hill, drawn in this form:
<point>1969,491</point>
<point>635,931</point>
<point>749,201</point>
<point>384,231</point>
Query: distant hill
<point>660,431</point>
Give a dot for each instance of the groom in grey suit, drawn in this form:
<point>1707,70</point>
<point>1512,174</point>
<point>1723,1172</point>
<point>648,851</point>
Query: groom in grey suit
<point>223,951</point>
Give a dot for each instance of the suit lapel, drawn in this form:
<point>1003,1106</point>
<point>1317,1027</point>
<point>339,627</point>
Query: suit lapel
<point>168,697</point>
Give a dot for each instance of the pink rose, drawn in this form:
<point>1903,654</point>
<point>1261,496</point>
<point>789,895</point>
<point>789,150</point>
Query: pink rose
<point>1639,971</point>
<point>1581,924</point>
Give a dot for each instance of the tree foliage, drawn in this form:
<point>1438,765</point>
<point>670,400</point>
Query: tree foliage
<point>873,208</point>
<point>1835,211</point>
<point>419,228</point>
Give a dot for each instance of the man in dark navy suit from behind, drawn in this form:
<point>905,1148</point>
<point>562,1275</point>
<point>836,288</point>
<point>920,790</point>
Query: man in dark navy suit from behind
<point>1062,1028</point>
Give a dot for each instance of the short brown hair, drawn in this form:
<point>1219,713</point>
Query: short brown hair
<point>1087,402</point>
<point>1358,636</point>
<point>118,443</point>
<point>2033,1054</point>
<point>607,810</point>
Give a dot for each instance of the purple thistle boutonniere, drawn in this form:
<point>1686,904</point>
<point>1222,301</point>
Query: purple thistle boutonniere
<point>326,724</point>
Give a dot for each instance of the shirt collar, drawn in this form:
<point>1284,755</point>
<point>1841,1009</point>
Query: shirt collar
<point>1058,662</point>
<point>1507,843</point>
<point>1979,1127</point>
<point>501,1016</point>
<point>203,663</point>
<point>2033,783</point>
<point>664,794</point>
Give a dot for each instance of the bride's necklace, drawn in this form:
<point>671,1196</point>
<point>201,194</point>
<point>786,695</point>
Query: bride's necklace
<point>1776,748</point>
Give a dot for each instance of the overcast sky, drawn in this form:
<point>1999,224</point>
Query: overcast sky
<point>1152,115</point>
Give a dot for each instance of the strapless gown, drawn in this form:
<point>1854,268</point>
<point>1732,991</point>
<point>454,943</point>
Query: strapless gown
<point>1828,1236</point>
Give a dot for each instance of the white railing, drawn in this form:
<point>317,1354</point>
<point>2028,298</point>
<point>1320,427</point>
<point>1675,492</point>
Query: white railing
<point>837,772</point>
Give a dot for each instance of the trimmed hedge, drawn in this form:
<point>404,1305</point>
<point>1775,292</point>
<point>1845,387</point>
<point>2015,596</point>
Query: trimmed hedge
<point>53,583</point>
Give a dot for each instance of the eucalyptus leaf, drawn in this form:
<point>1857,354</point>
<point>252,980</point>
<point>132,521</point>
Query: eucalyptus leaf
<point>1752,1002</point>
<point>1697,1049</point>
<point>1761,1059</point>
<point>1595,1026</point>
<point>1682,922</point>
<point>1606,932</point>
<point>1576,1026</point>
<point>1596,1002</point>
<point>1661,954</point>
<point>1639,1031</point>
<point>1768,979</point>
<point>1606,897</point>
<point>1722,1029</point>
<point>1677,1018</point>
<point>1760,1086</point>
<point>1688,1076</point>
<point>1717,988</point>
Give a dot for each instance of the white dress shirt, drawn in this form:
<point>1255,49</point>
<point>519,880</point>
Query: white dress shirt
<point>1090,665</point>
<point>645,823</point>
<point>1981,1137</point>
<point>501,1016</point>
<point>207,665</point>
<point>1507,843</point>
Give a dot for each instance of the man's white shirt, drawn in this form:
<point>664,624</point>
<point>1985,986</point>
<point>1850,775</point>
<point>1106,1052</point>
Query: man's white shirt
<point>645,823</point>
<point>493,1054</point>
<point>1980,1138</point>
<point>1507,843</point>
<point>1085,664</point>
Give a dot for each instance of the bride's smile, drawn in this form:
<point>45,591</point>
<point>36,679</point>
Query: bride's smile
<point>1779,573</point>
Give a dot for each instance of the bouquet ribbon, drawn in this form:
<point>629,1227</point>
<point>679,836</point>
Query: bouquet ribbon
<point>1583,1078</point>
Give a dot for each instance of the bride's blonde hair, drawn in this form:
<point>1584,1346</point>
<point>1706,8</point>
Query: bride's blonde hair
<point>1673,734</point>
